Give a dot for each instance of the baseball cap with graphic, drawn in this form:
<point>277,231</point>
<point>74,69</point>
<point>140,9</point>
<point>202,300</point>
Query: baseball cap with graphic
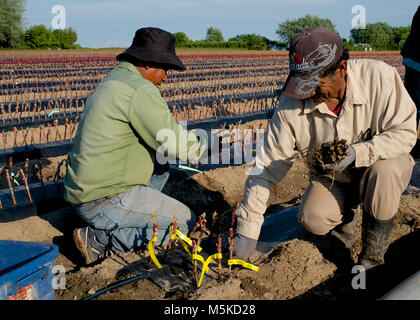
<point>312,52</point>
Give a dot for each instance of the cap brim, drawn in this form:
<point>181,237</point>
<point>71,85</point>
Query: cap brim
<point>299,88</point>
<point>159,57</point>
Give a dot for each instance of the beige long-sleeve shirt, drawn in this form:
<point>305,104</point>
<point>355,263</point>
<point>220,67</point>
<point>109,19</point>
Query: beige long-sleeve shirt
<point>375,99</point>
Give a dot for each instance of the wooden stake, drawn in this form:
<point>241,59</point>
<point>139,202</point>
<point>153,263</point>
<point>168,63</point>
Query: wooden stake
<point>171,243</point>
<point>231,248</point>
<point>219,261</point>
<point>25,180</point>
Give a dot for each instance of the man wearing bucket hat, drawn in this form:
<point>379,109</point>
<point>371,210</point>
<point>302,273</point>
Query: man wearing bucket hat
<point>109,177</point>
<point>326,96</point>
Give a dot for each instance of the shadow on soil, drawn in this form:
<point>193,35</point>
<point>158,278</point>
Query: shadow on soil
<point>401,262</point>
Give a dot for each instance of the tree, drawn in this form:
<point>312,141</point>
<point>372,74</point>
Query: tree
<point>379,35</point>
<point>400,35</point>
<point>181,39</point>
<point>290,28</point>
<point>63,39</point>
<point>38,37</point>
<point>360,35</point>
<point>251,41</point>
<point>214,34</point>
<point>11,24</point>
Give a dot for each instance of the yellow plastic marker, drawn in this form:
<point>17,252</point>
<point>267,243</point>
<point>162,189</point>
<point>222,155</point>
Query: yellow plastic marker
<point>205,263</point>
<point>183,237</point>
<point>152,254</point>
<point>244,264</point>
<point>184,245</point>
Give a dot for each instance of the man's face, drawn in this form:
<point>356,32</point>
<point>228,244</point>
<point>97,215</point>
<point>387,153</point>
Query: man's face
<point>331,88</point>
<point>327,88</point>
<point>155,75</point>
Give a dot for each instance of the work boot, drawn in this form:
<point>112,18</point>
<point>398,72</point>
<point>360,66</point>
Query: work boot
<point>89,247</point>
<point>346,231</point>
<point>376,234</point>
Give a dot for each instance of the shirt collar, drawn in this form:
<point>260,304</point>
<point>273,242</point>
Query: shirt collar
<point>356,92</point>
<point>128,66</point>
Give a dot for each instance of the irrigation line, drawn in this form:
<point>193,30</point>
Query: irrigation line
<point>32,121</point>
<point>47,190</point>
<point>83,83</point>
<point>37,151</point>
<point>114,286</point>
<point>63,103</point>
<point>38,120</point>
<point>59,148</point>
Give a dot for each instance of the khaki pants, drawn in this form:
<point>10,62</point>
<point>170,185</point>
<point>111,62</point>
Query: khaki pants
<point>378,187</point>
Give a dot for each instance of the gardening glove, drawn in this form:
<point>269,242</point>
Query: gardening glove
<point>243,247</point>
<point>341,165</point>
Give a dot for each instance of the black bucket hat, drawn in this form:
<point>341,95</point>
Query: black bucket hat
<point>153,45</point>
<point>312,52</point>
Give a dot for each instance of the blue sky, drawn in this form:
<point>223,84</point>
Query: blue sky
<point>107,23</point>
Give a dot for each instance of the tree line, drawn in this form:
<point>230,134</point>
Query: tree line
<point>214,39</point>
<point>378,36</point>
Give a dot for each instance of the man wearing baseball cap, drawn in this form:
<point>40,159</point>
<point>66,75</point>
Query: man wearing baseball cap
<point>109,178</point>
<point>327,96</point>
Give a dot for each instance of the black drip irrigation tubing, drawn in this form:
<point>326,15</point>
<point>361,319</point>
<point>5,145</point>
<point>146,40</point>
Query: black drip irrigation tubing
<point>13,88</point>
<point>77,71</point>
<point>39,191</point>
<point>58,148</point>
<point>42,103</point>
<point>228,86</point>
<point>210,101</point>
<point>54,189</point>
<point>52,72</point>
<point>36,121</point>
<point>213,123</point>
<point>90,85</point>
<point>115,286</point>
<point>60,103</point>
<point>17,87</point>
<point>36,151</point>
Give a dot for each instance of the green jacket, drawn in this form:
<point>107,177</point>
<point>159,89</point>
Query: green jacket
<point>116,141</point>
